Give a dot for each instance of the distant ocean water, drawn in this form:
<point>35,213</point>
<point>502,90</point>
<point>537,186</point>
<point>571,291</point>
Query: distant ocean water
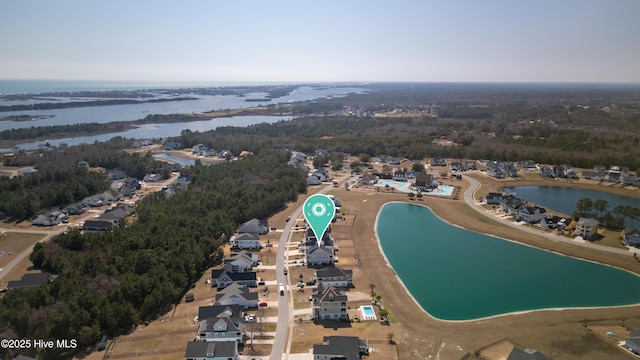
<point>41,86</point>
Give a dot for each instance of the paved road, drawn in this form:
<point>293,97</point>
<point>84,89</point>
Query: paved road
<point>470,200</point>
<point>285,318</point>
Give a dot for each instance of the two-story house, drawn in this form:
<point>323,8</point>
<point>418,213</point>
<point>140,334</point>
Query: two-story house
<point>225,276</point>
<point>329,304</point>
<point>631,237</point>
<point>235,294</point>
<point>319,255</point>
<point>587,228</point>
<point>242,261</point>
<point>218,329</point>
<point>245,241</point>
<point>531,214</point>
<point>334,276</point>
<point>254,226</point>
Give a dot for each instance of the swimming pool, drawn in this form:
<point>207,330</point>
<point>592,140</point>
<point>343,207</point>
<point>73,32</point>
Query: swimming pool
<point>367,312</point>
<point>442,190</point>
<point>400,185</point>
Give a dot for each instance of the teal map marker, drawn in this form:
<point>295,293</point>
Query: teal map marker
<point>319,211</point>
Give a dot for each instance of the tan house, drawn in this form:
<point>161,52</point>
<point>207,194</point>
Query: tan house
<point>587,228</point>
<point>329,304</point>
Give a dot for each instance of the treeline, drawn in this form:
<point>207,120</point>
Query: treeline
<point>618,218</point>
<point>76,104</point>
<point>36,132</point>
<point>109,282</point>
<point>413,138</point>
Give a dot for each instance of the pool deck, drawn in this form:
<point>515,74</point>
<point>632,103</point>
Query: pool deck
<point>365,316</point>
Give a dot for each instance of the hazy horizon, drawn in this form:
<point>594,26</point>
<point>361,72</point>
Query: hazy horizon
<point>298,42</point>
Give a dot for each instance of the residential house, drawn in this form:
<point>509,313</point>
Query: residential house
<point>329,304</point>
<point>217,329</point>
<point>565,171</point>
<point>225,276</point>
<point>319,255</point>
<point>587,228</point>
<point>242,261</point>
<point>297,159</point>
<point>117,213</point>
<point>633,342</point>
<point>213,311</point>
<point>631,237</point>
<point>341,348</point>
<point>76,209</point>
<point>456,166</point>
<point>116,174</point>
<point>28,281</point>
<point>546,171</point>
<point>224,350</point>
<point>83,164</point>
<point>510,205</point>
<point>152,178</point>
<point>531,214</point>
<point>493,198</point>
<point>245,241</point>
<point>592,175</point>
<point>526,354</point>
<point>237,294</point>
<point>313,180</point>
<point>400,175</point>
<point>334,276</point>
<point>185,180</point>
<point>310,239</point>
<point>438,162</point>
<point>50,219</point>
<point>425,182</point>
<point>369,179</point>
<point>94,226</point>
<point>254,226</point>
<point>527,165</point>
<point>600,169</point>
<point>556,222</point>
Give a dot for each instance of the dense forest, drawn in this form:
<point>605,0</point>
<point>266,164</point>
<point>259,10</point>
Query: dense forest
<point>109,282</point>
<point>60,182</point>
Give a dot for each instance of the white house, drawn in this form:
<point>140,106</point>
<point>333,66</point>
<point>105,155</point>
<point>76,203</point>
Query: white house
<point>319,255</point>
<point>242,261</point>
<point>245,241</point>
<point>334,276</point>
<point>587,228</point>
<point>236,294</point>
<point>631,237</point>
<point>221,329</point>
<point>531,214</point>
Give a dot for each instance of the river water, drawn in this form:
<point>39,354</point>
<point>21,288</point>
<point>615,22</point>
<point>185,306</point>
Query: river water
<point>456,274</point>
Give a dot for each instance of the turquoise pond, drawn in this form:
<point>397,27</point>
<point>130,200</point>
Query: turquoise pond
<point>456,274</point>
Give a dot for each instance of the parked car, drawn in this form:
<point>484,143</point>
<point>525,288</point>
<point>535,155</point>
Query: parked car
<point>261,282</point>
<point>263,304</point>
<point>189,298</point>
<point>311,282</point>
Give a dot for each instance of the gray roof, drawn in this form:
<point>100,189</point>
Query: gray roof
<point>347,347</point>
<point>211,349</point>
<point>211,311</point>
<point>588,222</point>
<point>329,294</point>
<point>332,272</point>
<point>527,354</point>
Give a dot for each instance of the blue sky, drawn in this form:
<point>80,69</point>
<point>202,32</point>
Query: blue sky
<point>296,41</point>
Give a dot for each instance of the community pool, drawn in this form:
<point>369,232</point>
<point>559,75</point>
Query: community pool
<point>405,186</point>
<point>367,312</point>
